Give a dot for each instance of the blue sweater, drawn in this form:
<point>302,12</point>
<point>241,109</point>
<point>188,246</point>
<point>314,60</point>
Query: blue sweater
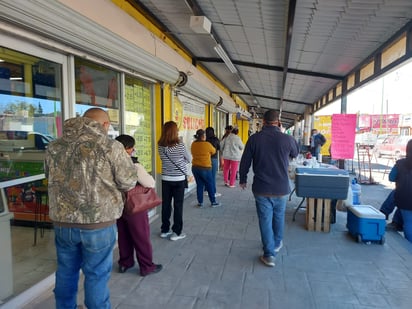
<point>403,177</point>
<point>269,150</point>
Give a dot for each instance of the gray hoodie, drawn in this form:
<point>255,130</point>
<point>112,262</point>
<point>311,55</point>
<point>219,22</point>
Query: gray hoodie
<point>232,147</point>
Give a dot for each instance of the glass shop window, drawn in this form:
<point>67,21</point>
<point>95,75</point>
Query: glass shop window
<point>138,119</point>
<point>97,86</point>
<point>30,112</point>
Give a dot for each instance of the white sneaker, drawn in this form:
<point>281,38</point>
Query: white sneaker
<point>177,237</point>
<point>218,194</point>
<point>165,235</point>
<point>277,249</point>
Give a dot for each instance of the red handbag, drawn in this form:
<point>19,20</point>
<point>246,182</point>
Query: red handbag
<point>140,199</point>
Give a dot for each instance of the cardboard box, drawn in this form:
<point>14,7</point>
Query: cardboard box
<point>325,183</point>
<point>366,223</point>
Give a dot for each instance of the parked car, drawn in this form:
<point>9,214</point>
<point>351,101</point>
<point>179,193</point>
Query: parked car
<point>22,140</point>
<point>393,146</point>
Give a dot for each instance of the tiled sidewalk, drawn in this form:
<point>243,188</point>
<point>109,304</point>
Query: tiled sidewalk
<point>217,265</point>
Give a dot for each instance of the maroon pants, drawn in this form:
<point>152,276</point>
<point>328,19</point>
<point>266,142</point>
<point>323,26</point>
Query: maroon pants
<point>134,235</point>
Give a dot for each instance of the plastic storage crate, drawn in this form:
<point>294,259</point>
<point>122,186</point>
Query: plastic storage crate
<point>366,223</point>
<point>325,183</point>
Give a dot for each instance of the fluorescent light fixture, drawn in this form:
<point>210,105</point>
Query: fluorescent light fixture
<point>222,54</point>
<point>244,86</point>
<point>16,78</point>
<point>1,60</point>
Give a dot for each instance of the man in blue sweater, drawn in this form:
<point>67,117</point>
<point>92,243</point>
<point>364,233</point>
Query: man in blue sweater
<point>270,151</point>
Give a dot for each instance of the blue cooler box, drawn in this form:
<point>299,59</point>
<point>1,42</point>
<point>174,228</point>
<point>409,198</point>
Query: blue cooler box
<point>325,183</point>
<point>366,223</point>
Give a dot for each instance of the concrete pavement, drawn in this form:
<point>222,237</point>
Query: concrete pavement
<point>217,265</point>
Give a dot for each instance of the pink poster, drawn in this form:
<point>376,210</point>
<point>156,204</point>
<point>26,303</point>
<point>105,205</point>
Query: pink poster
<point>385,121</point>
<point>343,136</point>
<point>364,122</point>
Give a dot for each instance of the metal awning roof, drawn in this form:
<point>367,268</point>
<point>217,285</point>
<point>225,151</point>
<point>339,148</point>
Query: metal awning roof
<point>290,54</point>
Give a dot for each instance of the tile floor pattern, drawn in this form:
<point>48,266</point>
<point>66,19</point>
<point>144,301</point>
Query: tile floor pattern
<point>217,265</point>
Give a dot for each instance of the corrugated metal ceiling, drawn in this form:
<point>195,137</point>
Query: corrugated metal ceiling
<point>322,40</point>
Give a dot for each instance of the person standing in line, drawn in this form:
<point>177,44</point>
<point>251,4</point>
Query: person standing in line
<point>317,140</point>
<point>175,158</point>
<point>134,229</point>
<point>202,168</point>
<point>232,147</point>
<point>270,151</point>
<point>228,130</point>
<point>87,172</point>
<point>401,174</point>
<point>211,138</point>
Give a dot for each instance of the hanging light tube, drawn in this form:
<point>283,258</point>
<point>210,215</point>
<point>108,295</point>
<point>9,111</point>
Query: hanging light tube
<point>244,86</point>
<point>222,54</point>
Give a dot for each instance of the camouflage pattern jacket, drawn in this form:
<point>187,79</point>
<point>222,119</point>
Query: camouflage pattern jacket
<point>87,172</point>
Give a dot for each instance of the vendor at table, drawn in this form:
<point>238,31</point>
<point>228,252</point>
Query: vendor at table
<point>317,140</point>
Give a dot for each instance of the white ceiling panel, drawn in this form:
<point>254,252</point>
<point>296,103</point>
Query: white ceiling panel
<point>329,37</point>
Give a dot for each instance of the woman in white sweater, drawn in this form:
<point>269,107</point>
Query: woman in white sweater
<point>232,148</point>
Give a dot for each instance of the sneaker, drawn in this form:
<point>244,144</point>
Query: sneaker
<point>232,186</point>
<point>268,260</point>
<point>218,194</point>
<point>177,237</point>
<point>206,193</point>
<point>277,249</point>
<point>216,204</point>
<point>227,184</point>
<point>165,235</point>
<point>200,205</point>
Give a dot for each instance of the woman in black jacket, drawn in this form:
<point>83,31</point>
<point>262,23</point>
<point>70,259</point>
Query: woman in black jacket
<point>211,138</point>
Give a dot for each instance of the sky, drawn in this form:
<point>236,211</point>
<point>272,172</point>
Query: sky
<point>47,105</point>
<point>390,94</point>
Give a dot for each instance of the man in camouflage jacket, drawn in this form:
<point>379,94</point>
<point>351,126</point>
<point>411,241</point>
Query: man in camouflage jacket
<point>87,172</point>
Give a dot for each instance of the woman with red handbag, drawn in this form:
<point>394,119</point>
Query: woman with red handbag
<point>134,229</point>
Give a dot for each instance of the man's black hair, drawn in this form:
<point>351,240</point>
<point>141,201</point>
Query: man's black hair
<point>271,116</point>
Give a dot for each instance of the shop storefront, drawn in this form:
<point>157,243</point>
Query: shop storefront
<point>35,87</point>
<point>52,69</point>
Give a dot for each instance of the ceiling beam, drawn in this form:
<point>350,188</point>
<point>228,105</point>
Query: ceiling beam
<point>288,42</point>
<point>271,98</point>
<point>270,68</point>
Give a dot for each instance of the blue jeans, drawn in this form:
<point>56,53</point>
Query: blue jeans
<point>204,179</point>
<point>388,206</point>
<point>407,223</point>
<point>271,215</point>
<point>315,151</point>
<point>215,166</point>
<point>92,252</point>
